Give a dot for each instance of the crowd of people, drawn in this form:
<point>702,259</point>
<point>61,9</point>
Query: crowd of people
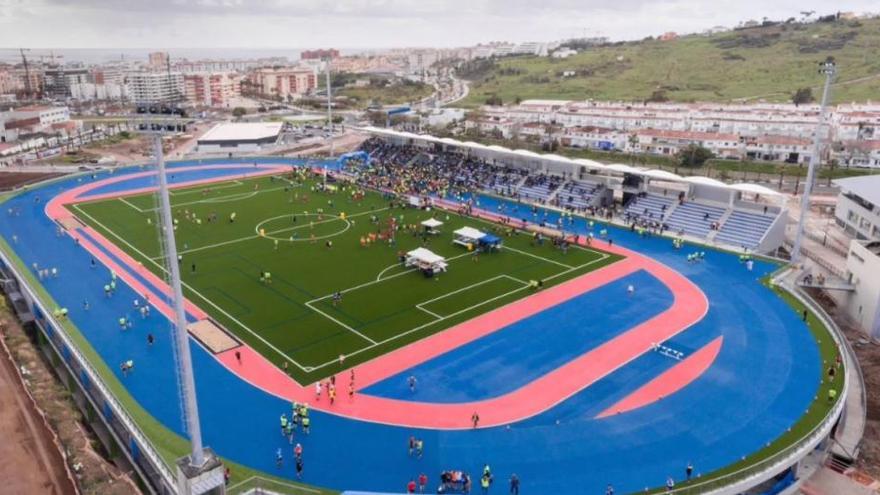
<point>408,170</point>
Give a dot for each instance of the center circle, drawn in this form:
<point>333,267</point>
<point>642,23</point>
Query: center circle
<point>323,226</point>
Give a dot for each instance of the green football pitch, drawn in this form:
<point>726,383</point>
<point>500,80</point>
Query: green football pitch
<point>294,319</point>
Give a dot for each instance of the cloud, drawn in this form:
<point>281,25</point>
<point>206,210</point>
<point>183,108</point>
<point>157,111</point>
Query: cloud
<point>367,23</point>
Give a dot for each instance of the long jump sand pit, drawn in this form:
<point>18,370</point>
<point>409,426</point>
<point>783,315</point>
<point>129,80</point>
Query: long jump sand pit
<point>212,336</point>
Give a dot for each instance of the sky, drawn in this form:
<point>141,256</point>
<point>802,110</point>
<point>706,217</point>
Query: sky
<point>356,24</point>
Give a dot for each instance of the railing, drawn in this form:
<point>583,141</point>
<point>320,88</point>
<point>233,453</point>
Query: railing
<point>726,484</point>
<point>258,485</point>
<point>852,360</point>
<point>819,260</point>
<point>95,379</point>
<point>749,476</point>
<point>833,245</point>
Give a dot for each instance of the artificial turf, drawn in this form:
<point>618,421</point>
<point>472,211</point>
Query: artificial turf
<point>294,318</point>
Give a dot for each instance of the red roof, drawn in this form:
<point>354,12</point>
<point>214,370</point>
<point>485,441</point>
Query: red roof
<point>33,108</point>
<point>691,135</point>
<point>865,145</point>
<point>782,140</point>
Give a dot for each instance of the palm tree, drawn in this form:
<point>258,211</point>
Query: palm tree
<point>633,140</point>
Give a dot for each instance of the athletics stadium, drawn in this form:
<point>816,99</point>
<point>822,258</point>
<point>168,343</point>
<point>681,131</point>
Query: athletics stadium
<point>578,326</point>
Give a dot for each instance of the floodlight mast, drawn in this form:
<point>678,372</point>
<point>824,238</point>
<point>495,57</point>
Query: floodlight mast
<point>329,103</point>
<point>829,70</point>
<point>181,335</point>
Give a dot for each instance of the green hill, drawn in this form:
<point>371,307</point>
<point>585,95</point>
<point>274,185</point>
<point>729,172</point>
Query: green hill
<point>768,63</point>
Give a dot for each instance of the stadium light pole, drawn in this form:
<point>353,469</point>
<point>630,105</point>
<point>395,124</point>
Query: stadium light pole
<point>829,70</point>
<point>181,336</point>
<point>329,103</point>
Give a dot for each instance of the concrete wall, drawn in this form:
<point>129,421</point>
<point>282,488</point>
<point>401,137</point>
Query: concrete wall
<point>863,269</point>
<point>711,193</point>
<point>775,235</point>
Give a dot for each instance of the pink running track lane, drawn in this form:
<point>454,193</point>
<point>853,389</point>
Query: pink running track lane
<point>669,381</point>
<point>689,306</point>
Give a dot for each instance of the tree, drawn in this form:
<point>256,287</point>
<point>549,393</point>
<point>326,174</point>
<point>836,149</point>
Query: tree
<point>376,118</point>
<point>633,141</point>
<point>802,95</point>
<point>239,112</point>
<point>494,100</point>
<point>658,96</point>
<point>693,156</point>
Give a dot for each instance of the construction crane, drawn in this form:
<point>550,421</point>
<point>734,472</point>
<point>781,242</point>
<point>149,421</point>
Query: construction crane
<point>27,73</point>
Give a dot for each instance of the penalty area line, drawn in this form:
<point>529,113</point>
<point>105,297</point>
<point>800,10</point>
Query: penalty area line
<point>191,289</point>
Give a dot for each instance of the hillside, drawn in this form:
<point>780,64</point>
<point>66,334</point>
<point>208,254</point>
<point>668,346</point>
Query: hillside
<point>767,63</point>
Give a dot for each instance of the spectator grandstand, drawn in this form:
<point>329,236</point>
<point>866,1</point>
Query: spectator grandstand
<point>743,228</point>
<point>698,208</point>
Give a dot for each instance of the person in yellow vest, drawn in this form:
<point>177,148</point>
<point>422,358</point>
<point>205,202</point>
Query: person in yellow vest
<point>485,482</point>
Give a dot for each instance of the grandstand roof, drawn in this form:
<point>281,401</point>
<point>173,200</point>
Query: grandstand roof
<point>662,175</point>
<point>706,181</point>
<point>614,167</point>
<point>755,189</point>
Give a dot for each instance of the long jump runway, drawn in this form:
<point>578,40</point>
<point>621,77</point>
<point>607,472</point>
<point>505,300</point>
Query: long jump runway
<point>618,412</point>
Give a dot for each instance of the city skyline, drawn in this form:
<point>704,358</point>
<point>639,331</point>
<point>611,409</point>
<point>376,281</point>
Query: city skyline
<point>300,24</point>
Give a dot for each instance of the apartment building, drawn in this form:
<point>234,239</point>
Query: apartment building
<point>285,82</point>
<point>155,87</point>
<point>763,131</point>
<point>217,89</point>
<point>58,80</point>
<point>34,119</point>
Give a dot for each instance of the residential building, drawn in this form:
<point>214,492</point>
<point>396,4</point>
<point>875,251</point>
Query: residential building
<point>419,60</point>
<point>108,74</point>
<point>187,66</point>
<point>669,142</point>
<point>99,92</point>
<point>285,82</point>
<point>34,119</point>
<point>858,153</point>
<point>155,87</point>
<point>158,61</point>
<point>19,77</point>
<point>599,138</point>
<point>320,54</point>
<point>787,149</point>
<point>763,131</point>
<point>218,89</point>
<point>9,83</point>
<point>59,79</point>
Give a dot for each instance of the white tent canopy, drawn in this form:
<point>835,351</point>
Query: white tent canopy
<point>469,233</point>
<point>425,256</point>
<point>432,223</point>
<point>426,260</point>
